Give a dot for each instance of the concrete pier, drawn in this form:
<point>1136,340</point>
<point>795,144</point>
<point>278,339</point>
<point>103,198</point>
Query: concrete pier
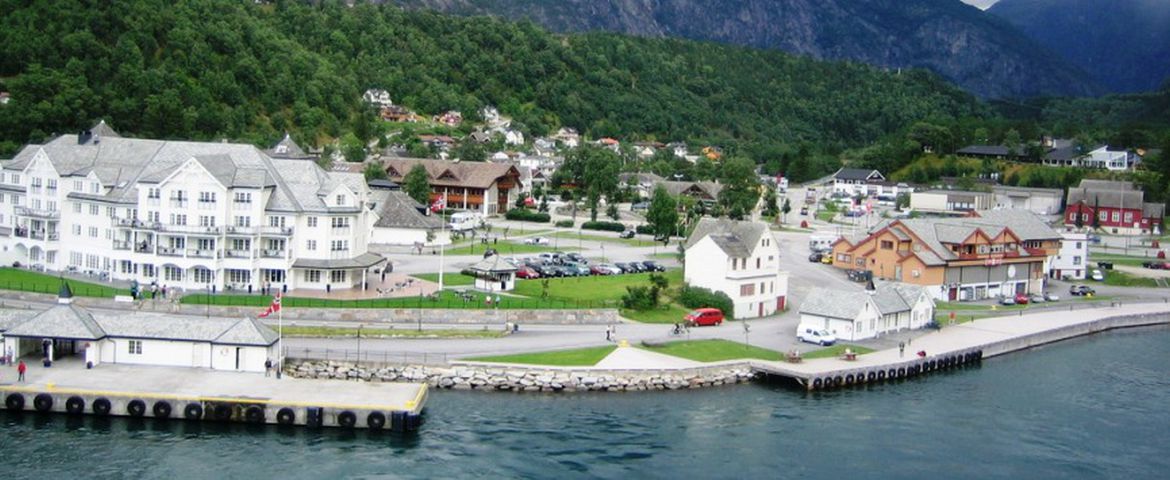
<point>965,344</point>
<point>206,395</point>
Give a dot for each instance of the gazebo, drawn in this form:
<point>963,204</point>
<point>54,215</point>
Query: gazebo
<point>494,274</point>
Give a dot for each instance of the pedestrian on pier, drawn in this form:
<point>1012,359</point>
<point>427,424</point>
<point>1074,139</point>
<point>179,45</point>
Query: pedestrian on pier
<point>268,367</point>
<point>20,369</point>
<point>608,333</point>
<point>901,349</point>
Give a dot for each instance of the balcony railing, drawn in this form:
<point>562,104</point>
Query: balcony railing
<point>203,253</point>
<point>170,252</point>
<point>122,245</point>
<point>273,253</point>
<point>192,229</point>
<point>178,202</point>
<point>37,213</point>
<point>284,231</point>
<point>239,253</point>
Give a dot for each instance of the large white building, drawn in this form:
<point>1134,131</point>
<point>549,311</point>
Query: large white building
<point>194,215</point>
<point>740,259</point>
<point>1072,261</point>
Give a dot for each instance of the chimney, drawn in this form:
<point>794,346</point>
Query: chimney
<point>870,288</point>
<point>84,136</point>
<point>65,294</point>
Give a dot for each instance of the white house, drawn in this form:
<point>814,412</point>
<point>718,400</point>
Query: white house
<point>400,220</point>
<point>66,330</point>
<point>858,315</point>
<point>193,215</point>
<point>740,259</point>
<point>1041,201</point>
<point>1073,257</point>
<point>494,274</point>
<point>856,181</point>
<point>378,97</point>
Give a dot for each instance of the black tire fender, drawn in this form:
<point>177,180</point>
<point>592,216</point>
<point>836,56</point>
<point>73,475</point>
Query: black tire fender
<point>136,408</point>
<point>162,409</point>
<point>346,419</point>
<point>376,420</point>
<point>14,401</point>
<point>286,416</point>
<point>43,402</point>
<point>101,406</point>
<point>254,414</point>
<point>75,405</point>
<point>193,411</point>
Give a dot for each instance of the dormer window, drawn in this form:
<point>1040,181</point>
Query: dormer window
<point>341,200</point>
<point>153,193</point>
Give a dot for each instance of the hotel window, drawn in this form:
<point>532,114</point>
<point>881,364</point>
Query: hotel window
<point>758,262</point>
<point>340,200</point>
<point>747,290</point>
<point>93,231</point>
<point>52,184</point>
<point>77,230</point>
<point>311,245</point>
<point>206,197</point>
<point>135,347</point>
<point>16,178</point>
<point>339,245</point>
<point>243,221</point>
<point>276,222</point>
<point>340,222</point>
<point>150,193</point>
<point>887,245</point>
<point>93,209</point>
<point>337,276</point>
<point>243,197</point>
<point>312,222</point>
<point>313,276</point>
<point>206,221</point>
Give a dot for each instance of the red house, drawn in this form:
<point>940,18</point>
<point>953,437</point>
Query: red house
<point>1116,207</point>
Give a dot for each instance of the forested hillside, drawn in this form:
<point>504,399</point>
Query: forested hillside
<point>207,69</point>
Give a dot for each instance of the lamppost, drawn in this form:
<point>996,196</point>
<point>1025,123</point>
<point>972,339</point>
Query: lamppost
<point>359,342</point>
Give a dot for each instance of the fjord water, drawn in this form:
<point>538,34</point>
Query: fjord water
<point>1094,407</point>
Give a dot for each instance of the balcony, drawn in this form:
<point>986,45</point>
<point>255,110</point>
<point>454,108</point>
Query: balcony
<point>239,253</point>
<point>178,202</point>
<point>282,231</point>
<point>123,245</point>
<point>273,253</point>
<point>192,229</point>
<point>170,252</point>
<point>203,253</point>
<point>339,254</point>
<point>37,213</point>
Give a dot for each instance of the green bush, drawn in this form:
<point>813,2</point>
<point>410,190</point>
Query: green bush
<point>645,229</point>
<point>641,298</point>
<point>698,297</point>
<point>565,224</point>
<point>607,226</point>
<point>525,215</point>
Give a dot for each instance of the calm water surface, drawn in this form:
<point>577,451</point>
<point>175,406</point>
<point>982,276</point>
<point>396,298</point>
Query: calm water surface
<point>1096,407</point>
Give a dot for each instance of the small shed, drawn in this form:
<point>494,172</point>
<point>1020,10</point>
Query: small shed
<point>494,274</point>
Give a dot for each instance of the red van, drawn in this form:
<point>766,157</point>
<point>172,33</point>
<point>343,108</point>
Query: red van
<point>704,316</point>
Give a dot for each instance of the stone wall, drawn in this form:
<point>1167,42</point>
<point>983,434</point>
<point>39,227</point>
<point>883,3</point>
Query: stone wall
<point>466,376</point>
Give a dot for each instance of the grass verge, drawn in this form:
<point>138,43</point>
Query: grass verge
<point>449,279</point>
<point>669,313</point>
<point>1118,278</point>
<point>578,357</point>
<point>714,350</point>
<point>350,332</point>
<point>836,351</point>
<point>608,288</point>
<point>27,281</point>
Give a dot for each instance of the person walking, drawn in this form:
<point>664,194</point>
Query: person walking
<point>901,349</point>
<point>608,333</point>
<point>268,367</point>
<point>20,369</point>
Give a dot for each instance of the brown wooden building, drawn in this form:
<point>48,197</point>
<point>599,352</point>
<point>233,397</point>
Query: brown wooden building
<point>488,188</point>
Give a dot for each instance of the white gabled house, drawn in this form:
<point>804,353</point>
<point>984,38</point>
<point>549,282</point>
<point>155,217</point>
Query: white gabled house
<point>740,259</point>
<point>858,315</point>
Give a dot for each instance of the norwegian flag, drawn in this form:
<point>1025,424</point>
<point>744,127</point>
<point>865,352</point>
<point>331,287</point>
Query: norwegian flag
<point>275,307</point>
<point>439,204</point>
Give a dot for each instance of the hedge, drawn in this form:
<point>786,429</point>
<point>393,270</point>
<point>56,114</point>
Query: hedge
<point>565,224</point>
<point>698,297</point>
<point>525,215</point>
<point>607,226</point>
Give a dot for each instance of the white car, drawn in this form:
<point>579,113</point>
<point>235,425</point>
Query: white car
<point>1098,276</point>
<point>812,334</point>
<point>536,241</point>
<point>612,269</point>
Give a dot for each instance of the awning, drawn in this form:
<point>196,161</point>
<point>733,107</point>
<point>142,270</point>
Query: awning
<point>364,260</point>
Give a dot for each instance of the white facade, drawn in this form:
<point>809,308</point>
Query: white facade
<point>755,283</point>
<point>195,216</point>
<point>908,308</point>
<point>1073,258</point>
<point>1041,201</point>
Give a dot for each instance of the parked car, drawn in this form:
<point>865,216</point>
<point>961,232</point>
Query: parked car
<point>1037,298</point>
<point>704,316</point>
<point>827,258</point>
<point>1022,299</point>
<point>527,272</point>
<point>627,234</point>
<point>652,266</point>
<point>640,206</point>
<point>1098,276</point>
<point>1051,297</point>
<point>804,210</point>
<point>605,269</point>
<point>816,257</point>
<point>814,334</point>
<point>546,257</point>
<point>636,267</point>
<point>624,267</point>
<point>577,269</point>
<point>536,241</point>
<point>576,258</point>
<point>1081,290</point>
<point>549,271</point>
<point>1007,300</point>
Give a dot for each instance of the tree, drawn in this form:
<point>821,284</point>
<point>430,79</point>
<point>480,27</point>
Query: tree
<point>1096,213</point>
<point>353,148</point>
<point>786,208</point>
<point>374,171</point>
<point>417,185</point>
<point>1012,140</point>
<point>470,151</point>
<point>740,186</point>
<point>770,203</point>
<point>1079,220</point>
<point>612,212</point>
<point>594,171</point>
<point>662,213</point>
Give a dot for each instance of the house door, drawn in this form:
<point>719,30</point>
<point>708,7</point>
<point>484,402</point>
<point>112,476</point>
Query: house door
<point>953,294</point>
<point>239,357</point>
<point>761,309</point>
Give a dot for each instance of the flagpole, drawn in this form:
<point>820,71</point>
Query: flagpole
<point>442,230</point>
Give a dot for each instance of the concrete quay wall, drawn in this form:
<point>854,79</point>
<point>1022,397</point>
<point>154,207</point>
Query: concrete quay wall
<point>1072,331</point>
<point>522,378</point>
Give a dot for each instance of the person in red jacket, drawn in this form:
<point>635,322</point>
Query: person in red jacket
<point>20,369</point>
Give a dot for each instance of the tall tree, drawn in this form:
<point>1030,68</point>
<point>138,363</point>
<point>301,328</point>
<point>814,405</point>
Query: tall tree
<point>663,212</point>
<point>740,187</point>
<point>417,185</point>
<point>594,171</point>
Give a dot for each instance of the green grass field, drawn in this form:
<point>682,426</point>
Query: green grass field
<point>27,281</point>
<point>714,350</point>
<point>1118,278</point>
<point>572,239</point>
<point>351,332</point>
<point>836,351</point>
<point>672,313</point>
<point>449,279</point>
<point>579,357</point>
<point>507,248</point>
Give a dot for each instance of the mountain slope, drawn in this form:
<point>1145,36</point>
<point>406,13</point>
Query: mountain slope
<point>975,50</point>
<point>1124,44</point>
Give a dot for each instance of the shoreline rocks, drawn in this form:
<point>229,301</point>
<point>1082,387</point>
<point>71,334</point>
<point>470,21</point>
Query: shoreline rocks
<point>526,379</point>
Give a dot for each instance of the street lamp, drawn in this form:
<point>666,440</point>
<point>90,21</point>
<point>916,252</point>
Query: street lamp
<point>359,342</point>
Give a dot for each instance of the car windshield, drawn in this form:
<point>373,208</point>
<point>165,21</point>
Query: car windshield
<point>695,313</point>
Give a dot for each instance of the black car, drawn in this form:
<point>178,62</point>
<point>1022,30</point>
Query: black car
<point>626,234</point>
<point>548,271</point>
<point>652,266</point>
<point>625,267</point>
<point>577,258</point>
<point>637,267</point>
<point>815,257</point>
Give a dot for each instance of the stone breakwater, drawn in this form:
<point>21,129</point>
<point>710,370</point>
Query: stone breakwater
<point>528,379</point>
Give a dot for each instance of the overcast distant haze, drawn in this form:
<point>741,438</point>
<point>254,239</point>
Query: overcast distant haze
<point>984,4</point>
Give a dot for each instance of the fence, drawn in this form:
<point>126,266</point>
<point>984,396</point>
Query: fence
<point>447,300</point>
<point>367,356</point>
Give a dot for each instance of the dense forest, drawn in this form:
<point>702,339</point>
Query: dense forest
<point>207,69</point>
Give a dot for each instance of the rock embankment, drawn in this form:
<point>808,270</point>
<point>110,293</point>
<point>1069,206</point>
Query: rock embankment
<point>527,379</point>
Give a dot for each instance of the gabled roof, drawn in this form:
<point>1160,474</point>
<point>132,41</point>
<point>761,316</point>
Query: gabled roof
<point>461,174</point>
<point>858,174</point>
<point>738,239</point>
<point>839,304</point>
<point>397,210</point>
<point>247,331</point>
<point>60,321</point>
<point>707,189</point>
<point>493,264</point>
<point>287,148</point>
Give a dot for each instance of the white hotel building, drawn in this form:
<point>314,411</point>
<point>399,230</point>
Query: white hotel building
<point>194,215</point>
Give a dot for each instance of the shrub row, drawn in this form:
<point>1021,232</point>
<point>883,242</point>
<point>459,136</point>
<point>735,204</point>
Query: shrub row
<point>698,297</point>
<point>525,215</point>
<point>565,224</point>
<point>607,226</point>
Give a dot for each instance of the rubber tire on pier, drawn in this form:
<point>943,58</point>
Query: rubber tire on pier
<point>892,374</point>
<point>979,354</point>
<point>43,402</point>
<point>14,401</point>
<point>75,405</point>
<point>816,384</point>
<point>162,409</point>
<point>849,379</point>
<point>193,411</point>
<point>881,375</point>
<point>931,365</point>
<point>901,372</point>
<point>838,381</point>
<point>254,414</point>
<point>376,420</point>
<point>346,419</point>
<point>286,416</point>
<point>136,408</point>
<point>221,412</point>
<point>101,406</point>
<point>871,377</point>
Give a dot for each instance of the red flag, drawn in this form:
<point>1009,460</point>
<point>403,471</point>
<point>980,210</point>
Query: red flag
<point>273,308</point>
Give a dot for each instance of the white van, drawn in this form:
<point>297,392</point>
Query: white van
<point>822,241</point>
<point>463,221</point>
<point>815,334</point>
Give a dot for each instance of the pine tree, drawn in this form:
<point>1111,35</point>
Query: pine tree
<point>417,185</point>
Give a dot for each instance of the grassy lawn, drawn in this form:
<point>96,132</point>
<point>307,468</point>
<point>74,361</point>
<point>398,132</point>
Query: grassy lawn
<point>506,247</point>
<point>714,350</point>
<point>1118,278</point>
<point>580,357</point>
<point>449,279</point>
<point>836,351</point>
<point>350,332</point>
<point>28,281</point>
<point>1118,259</point>
<point>672,313</point>
<point>572,238</point>
<point>595,288</point>
<point>446,299</point>
<point>825,215</point>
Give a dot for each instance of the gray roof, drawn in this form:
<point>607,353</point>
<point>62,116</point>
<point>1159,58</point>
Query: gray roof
<point>247,331</point>
<point>896,297</point>
<point>364,260</point>
<point>736,238</point>
<point>934,233</point>
<point>60,321</point>
<point>841,304</point>
<point>287,148</point>
<point>10,317</point>
<point>710,189</point>
<point>397,210</point>
<point>493,264</point>
<point>1106,198</point>
<point>858,174</point>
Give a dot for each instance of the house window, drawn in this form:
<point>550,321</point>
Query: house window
<point>312,222</point>
<point>1116,216</point>
<point>173,274</point>
<point>340,222</point>
<point>339,245</point>
<point>747,290</point>
<point>77,230</point>
<point>276,222</point>
<point>1128,217</point>
<point>313,276</point>
<point>887,245</point>
<point>1103,215</point>
<point>93,209</point>
<point>340,200</point>
<point>1077,260</point>
<point>337,276</point>
<point>243,197</point>
<point>135,347</point>
<point>311,245</point>
<point>758,262</point>
<point>152,192</point>
<point>206,197</point>
<point>93,232</point>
